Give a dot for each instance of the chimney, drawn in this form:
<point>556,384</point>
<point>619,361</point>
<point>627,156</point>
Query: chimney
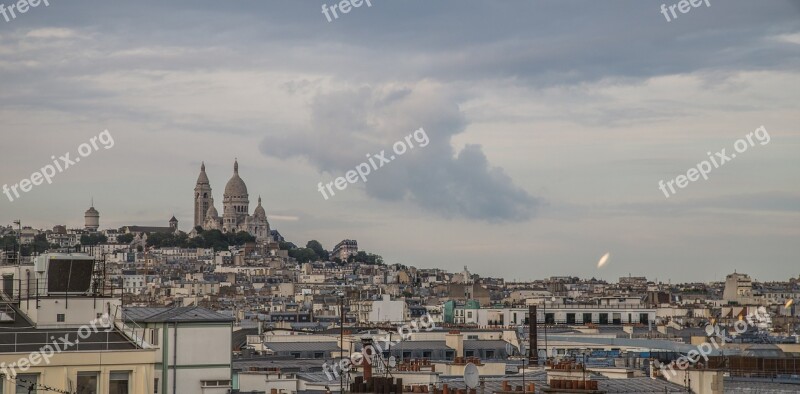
<point>368,352</point>
<point>533,345</point>
<point>455,340</point>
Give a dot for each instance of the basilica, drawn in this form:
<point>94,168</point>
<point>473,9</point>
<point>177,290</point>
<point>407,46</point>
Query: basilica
<point>235,207</point>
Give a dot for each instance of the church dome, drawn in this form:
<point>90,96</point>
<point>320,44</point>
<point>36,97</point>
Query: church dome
<point>259,212</point>
<point>235,186</point>
<point>212,212</point>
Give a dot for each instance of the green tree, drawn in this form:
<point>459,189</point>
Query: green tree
<point>125,238</point>
<point>366,258</point>
<point>40,244</point>
<point>303,255</point>
<point>93,239</point>
<point>286,245</point>
<point>318,249</point>
<point>240,238</point>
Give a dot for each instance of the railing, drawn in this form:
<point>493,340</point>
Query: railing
<point>591,306</point>
<point>31,289</point>
<point>130,329</point>
<point>26,342</point>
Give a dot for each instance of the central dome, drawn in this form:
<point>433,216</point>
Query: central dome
<point>235,186</point>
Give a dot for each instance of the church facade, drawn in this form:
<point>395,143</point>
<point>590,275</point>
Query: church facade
<point>235,207</point>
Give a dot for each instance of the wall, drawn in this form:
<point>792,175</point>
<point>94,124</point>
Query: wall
<point>64,367</point>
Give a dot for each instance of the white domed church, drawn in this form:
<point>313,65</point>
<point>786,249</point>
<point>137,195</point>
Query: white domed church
<point>235,207</point>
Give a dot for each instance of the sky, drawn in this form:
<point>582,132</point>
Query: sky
<point>550,126</point>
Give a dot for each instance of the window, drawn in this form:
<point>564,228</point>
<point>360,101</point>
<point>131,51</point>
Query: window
<point>570,318</point>
<point>490,354</point>
<point>215,383</point>
<point>60,317</point>
<point>24,381</point>
<point>469,353</point>
<point>118,382</point>
<point>587,318</point>
<point>426,354</point>
<point>604,318</point>
<point>155,387</point>
<point>319,355</point>
<point>87,383</point>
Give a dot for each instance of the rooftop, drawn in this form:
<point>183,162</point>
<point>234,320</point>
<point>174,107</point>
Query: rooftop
<point>175,314</point>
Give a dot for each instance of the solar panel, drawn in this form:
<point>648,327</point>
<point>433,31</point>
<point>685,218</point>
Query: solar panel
<point>69,275</point>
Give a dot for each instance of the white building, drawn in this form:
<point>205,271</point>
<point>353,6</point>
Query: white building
<point>195,355</point>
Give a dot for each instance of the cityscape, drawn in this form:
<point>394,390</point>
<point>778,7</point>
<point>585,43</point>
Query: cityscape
<point>399,197</point>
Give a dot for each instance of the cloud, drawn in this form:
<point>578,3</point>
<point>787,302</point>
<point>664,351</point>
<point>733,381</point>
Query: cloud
<point>349,124</point>
<point>51,33</point>
<point>284,218</point>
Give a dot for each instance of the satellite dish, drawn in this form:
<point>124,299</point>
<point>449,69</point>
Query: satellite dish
<point>471,376</point>
<point>392,361</point>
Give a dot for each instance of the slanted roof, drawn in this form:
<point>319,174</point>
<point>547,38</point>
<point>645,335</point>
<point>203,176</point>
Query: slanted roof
<point>327,346</point>
<point>239,337</point>
<point>420,345</point>
<point>177,314</point>
<point>490,344</point>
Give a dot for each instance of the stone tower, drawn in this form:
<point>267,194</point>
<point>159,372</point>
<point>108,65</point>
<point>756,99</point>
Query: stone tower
<point>202,197</point>
<point>173,224</point>
<point>91,219</point>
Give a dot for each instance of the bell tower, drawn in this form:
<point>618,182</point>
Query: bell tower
<point>202,197</point>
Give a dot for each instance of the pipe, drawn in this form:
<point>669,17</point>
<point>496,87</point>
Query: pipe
<point>174,357</point>
<point>533,344</point>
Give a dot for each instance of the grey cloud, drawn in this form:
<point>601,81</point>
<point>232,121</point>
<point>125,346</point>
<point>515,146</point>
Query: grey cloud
<point>349,124</point>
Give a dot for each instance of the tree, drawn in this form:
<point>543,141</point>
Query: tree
<point>366,258</point>
<point>93,239</point>
<point>285,245</point>
<point>40,244</point>
<point>125,238</point>
<point>318,249</point>
<point>303,255</point>
<point>240,238</point>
